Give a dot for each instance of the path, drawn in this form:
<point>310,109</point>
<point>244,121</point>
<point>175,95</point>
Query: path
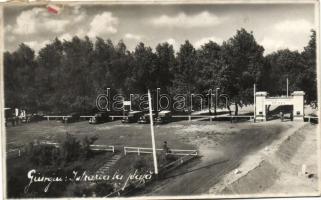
<point>105,168</point>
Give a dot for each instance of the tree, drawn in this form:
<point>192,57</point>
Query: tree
<point>75,81</point>
<point>165,63</point>
<point>308,80</point>
<point>20,70</point>
<point>185,71</point>
<point>70,74</point>
<point>282,65</point>
<point>121,69</point>
<point>49,71</point>
<point>210,63</point>
<point>11,81</point>
<point>244,61</point>
<point>144,69</point>
<point>103,54</point>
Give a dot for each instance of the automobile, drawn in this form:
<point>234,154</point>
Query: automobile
<point>145,119</point>
<point>132,116</point>
<point>34,118</point>
<point>99,117</point>
<point>164,116</point>
<point>72,117</point>
<point>9,116</point>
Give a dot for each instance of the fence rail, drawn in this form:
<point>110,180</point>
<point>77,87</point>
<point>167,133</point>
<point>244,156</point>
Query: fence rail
<point>211,117</point>
<point>14,153</point>
<point>143,150</point>
<point>57,145</point>
<point>53,116</point>
<point>17,152</point>
<point>96,147</point>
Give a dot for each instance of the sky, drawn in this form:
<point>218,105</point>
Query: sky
<point>275,26</point>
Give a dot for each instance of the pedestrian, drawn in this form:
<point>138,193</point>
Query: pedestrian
<point>281,116</point>
<point>165,147</point>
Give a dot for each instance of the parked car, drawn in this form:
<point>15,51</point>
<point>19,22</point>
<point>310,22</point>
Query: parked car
<point>164,116</point>
<point>73,117</point>
<point>100,117</point>
<point>9,116</point>
<point>34,118</point>
<point>132,117</point>
<point>145,119</point>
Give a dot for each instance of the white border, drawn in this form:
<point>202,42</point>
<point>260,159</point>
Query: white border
<point>162,2</point>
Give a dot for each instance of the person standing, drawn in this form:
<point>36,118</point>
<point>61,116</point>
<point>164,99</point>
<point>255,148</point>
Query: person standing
<point>281,116</point>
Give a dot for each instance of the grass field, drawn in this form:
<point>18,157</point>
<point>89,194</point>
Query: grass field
<point>111,133</point>
<point>222,146</point>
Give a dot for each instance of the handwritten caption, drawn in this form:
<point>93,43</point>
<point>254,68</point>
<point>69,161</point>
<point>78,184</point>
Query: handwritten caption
<point>37,177</point>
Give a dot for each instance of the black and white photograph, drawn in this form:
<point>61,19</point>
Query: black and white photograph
<point>160,99</point>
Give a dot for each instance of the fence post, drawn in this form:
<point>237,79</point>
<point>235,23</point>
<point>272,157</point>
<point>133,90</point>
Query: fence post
<point>47,118</point>
<point>19,153</point>
<point>138,151</point>
<point>211,119</point>
<point>125,150</point>
<point>189,118</point>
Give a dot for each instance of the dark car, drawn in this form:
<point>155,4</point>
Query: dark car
<point>34,118</point>
<point>73,117</point>
<point>9,116</point>
<point>145,119</point>
<point>164,116</point>
<point>100,117</point>
<point>132,117</point>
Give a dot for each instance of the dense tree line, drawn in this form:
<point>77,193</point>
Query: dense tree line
<point>68,75</point>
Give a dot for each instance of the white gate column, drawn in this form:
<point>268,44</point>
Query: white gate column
<point>298,105</point>
<point>260,105</point>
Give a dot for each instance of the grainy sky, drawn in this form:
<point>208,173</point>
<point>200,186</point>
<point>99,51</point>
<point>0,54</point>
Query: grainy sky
<point>275,26</point>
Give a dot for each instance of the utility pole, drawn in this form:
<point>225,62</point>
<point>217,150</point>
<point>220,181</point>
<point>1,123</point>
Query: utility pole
<point>209,101</point>
<point>216,99</point>
<point>254,91</point>
<point>152,132</point>
<point>287,87</point>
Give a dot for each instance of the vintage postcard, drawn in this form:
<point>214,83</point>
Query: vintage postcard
<point>160,99</point>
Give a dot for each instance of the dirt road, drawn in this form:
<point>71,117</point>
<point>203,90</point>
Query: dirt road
<point>222,148</point>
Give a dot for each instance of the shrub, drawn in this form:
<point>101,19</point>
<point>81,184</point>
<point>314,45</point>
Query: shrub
<point>43,154</point>
<point>70,148</point>
<point>86,142</point>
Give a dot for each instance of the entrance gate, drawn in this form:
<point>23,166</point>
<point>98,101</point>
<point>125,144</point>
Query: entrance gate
<point>263,101</point>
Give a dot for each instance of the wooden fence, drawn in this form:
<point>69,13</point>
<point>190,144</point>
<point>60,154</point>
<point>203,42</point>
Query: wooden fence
<point>17,152</point>
<point>143,150</point>
<point>96,147</point>
<point>14,153</point>
<point>213,117</point>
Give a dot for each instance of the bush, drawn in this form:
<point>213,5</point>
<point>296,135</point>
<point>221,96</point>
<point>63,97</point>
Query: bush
<point>86,142</point>
<point>43,154</point>
<point>71,148</point>
<point>141,164</point>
